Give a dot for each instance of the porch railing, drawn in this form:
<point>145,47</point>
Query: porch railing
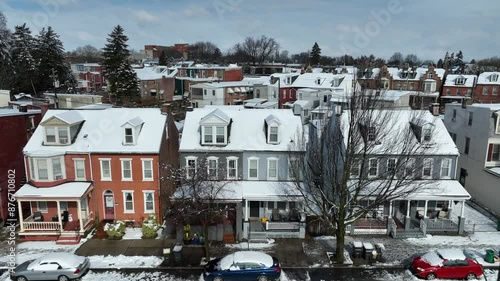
<point>440,224</point>
<point>423,226</point>
<point>400,216</point>
<point>294,226</point>
<point>42,225</point>
<point>86,219</point>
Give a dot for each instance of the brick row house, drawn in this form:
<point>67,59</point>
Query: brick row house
<point>89,165</point>
<point>17,126</point>
<point>89,76</point>
<point>487,87</point>
<point>457,87</point>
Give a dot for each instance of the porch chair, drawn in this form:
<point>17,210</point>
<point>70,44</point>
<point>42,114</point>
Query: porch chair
<point>37,216</point>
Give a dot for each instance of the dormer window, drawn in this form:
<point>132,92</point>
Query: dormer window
<point>460,81</point>
<point>50,134</point>
<point>129,137</point>
<point>318,81</point>
<point>430,76</point>
<point>214,135</point>
<point>57,135</point>
<point>273,124</point>
<point>336,82</point>
<point>494,77</point>
<point>273,134</point>
<point>214,128</point>
<point>426,134</point>
<point>289,80</point>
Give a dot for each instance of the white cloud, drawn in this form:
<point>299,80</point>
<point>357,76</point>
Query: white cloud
<point>144,16</point>
<point>195,10</point>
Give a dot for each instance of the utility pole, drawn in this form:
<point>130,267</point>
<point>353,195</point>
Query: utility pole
<point>55,82</point>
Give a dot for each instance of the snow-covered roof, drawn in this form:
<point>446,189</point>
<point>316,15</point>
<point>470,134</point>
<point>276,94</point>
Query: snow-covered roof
<point>246,256</point>
<point>66,95</point>
<point>66,260</point>
<point>301,102</point>
<point>69,117</point>
<point>65,190</point>
<point>14,112</point>
<point>22,95</point>
<point>154,72</point>
<point>247,131</point>
<point>326,80</point>
<point>102,132</point>
<point>397,124</point>
<point>215,85</point>
<point>451,80</point>
<point>486,78</point>
<point>96,106</point>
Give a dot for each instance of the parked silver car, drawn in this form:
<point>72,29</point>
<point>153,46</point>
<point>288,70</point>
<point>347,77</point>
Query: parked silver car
<point>55,266</point>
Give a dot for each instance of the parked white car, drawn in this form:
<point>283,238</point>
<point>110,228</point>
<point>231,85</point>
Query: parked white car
<point>55,266</point>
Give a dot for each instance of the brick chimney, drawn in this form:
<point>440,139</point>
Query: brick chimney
<point>44,107</point>
<point>435,109</point>
<point>23,108</point>
<point>166,108</point>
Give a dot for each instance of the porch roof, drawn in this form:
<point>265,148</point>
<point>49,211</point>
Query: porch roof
<point>427,190</point>
<point>66,190</point>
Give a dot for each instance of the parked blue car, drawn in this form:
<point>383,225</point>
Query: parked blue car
<point>244,265</point>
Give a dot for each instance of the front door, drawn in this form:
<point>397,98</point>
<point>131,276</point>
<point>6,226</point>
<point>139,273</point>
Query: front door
<point>254,209</point>
<point>109,206</point>
<point>463,175</point>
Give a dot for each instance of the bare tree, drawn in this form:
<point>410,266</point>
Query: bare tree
<point>412,60</point>
<point>340,178</point>
<point>201,197</point>
<point>204,52</point>
<point>396,59</point>
<point>257,50</point>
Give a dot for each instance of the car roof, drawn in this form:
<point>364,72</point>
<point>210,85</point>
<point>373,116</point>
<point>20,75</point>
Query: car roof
<point>246,256</point>
<point>63,259</point>
<point>451,254</point>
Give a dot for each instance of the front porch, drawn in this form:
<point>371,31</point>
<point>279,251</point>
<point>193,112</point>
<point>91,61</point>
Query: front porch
<point>51,217</point>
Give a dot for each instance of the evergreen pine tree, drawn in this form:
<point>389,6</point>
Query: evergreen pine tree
<point>163,59</point>
<point>6,69</point>
<point>440,63</point>
<point>51,57</point>
<point>24,65</point>
<point>122,79</point>
<point>315,54</point>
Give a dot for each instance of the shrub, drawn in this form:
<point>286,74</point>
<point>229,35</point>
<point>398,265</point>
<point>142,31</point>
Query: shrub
<point>115,230</point>
<point>150,227</point>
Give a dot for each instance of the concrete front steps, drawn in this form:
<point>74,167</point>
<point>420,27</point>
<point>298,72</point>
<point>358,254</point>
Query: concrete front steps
<point>66,239</point>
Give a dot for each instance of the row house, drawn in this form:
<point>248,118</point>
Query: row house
<point>88,165</point>
<point>154,83</point>
<point>17,126</point>
<point>89,76</point>
<point>221,93</point>
<point>457,87</point>
<point>487,87</point>
<point>476,131</point>
<point>254,157</point>
<point>430,170</point>
<point>280,88</point>
<point>219,73</point>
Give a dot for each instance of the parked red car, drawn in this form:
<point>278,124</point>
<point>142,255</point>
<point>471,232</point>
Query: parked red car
<point>446,264</point>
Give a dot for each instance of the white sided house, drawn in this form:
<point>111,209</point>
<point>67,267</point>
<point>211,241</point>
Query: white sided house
<point>251,147</point>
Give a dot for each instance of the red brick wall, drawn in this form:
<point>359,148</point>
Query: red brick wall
<point>287,95</point>
<point>453,90</point>
<point>233,74</point>
<point>489,97</point>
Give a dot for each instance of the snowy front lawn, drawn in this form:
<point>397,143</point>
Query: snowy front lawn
<point>136,233</point>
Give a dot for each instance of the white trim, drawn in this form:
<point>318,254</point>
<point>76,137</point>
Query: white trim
<point>144,160</point>
<point>144,200</point>
<point>443,161</point>
<point>123,160</point>
<point>395,166</point>
<point>188,158</point>
<point>431,161</point>
<point>250,159</point>
<point>101,160</point>
<point>125,211</point>
<point>46,210</point>
<point>268,168</point>
<point>369,168</point>
<point>235,159</point>
<point>132,130</point>
<point>50,168</point>
<point>277,134</point>
<point>76,171</point>
<point>216,159</point>
<point>214,134</point>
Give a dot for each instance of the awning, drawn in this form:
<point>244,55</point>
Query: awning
<point>70,190</point>
<point>230,91</point>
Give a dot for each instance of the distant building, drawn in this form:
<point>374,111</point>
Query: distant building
<point>457,87</point>
<point>89,76</point>
<point>488,84</point>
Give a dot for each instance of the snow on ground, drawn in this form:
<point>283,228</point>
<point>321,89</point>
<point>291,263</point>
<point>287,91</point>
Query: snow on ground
<point>124,261</point>
<point>33,250</point>
<point>474,220</point>
<point>254,246</point>
<point>136,233</point>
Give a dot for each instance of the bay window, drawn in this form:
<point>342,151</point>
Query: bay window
<point>47,169</point>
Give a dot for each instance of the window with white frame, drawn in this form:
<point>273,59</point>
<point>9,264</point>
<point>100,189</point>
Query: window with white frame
<point>446,168</point>
<point>427,168</point>
<point>272,168</point>
<point>430,75</point>
<point>57,135</point>
<point>495,152</point>
<point>63,135</point>
<point>426,133</point>
<point>371,133</point>
<point>410,168</point>
<point>391,166</point>
<point>147,169</point>
<point>41,206</point>
<point>47,169</point>
<point>294,167</point>
<point>63,206</point>
<point>460,81</point>
<point>494,77</point>
<point>232,167</point>
<point>128,201</point>
<point>273,134</point>
<point>129,136</point>
<point>212,166</point>
<point>84,205</point>
<point>220,135</point>
<point>149,202</point>
<point>373,167</point>
<point>211,133</point>
<point>105,169</point>
<point>485,90</point>
<point>495,91</point>
<point>208,135</point>
<point>126,169</point>
<point>79,169</point>
<point>253,168</point>
<point>191,166</point>
<point>355,170</point>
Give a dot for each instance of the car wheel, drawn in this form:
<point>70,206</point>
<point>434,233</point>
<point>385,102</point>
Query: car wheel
<point>262,278</point>
<point>218,278</point>
<point>21,278</point>
<point>62,278</point>
<point>471,276</point>
<point>431,276</point>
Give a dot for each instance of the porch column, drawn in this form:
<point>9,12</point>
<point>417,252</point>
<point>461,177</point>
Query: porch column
<point>59,215</point>
<point>21,219</point>
<point>425,208</point>
<point>407,219</point>
<point>80,219</point>
<point>408,209</point>
<point>246,223</point>
<point>390,209</point>
<point>246,210</point>
<point>461,219</point>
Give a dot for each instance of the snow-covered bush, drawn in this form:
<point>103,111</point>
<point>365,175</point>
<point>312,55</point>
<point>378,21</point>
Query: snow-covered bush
<point>150,227</point>
<point>115,230</point>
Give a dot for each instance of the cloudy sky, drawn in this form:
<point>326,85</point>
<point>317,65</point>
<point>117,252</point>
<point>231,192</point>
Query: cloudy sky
<point>427,28</point>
